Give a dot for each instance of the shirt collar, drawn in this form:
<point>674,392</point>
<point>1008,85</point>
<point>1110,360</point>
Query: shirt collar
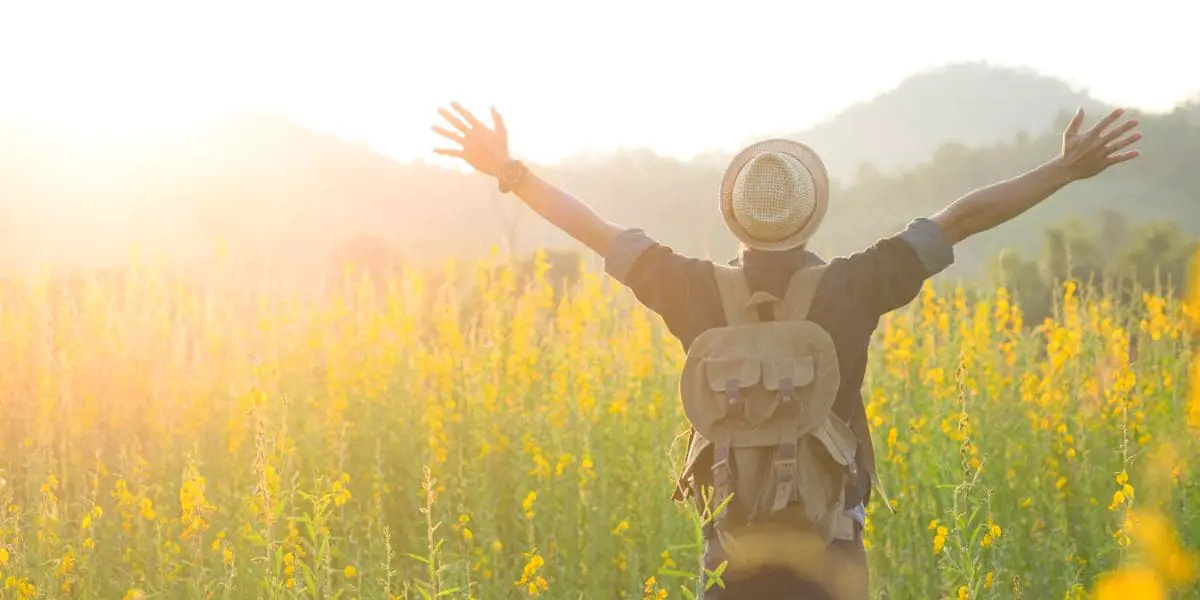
<point>796,258</point>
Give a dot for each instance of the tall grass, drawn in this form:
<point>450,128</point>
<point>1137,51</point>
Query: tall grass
<point>501,441</point>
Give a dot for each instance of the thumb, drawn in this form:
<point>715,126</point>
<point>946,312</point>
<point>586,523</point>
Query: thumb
<point>1075,124</point>
<point>498,122</point>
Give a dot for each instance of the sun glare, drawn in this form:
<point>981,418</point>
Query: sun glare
<point>115,124</point>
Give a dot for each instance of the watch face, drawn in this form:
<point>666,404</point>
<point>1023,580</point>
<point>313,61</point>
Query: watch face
<point>511,172</point>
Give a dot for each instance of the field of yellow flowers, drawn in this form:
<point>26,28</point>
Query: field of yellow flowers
<point>499,440</point>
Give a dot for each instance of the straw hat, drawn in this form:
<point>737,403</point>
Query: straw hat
<point>774,195</point>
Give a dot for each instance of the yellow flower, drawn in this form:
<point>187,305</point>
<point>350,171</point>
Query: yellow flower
<point>350,572</point>
<point>939,540</point>
<point>527,504</point>
<point>648,590</point>
<point>1133,583</point>
<point>1156,536</point>
<point>963,593</point>
<point>621,527</point>
<point>66,565</point>
<point>1118,500</point>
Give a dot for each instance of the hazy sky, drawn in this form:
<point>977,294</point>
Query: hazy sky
<point>679,77</point>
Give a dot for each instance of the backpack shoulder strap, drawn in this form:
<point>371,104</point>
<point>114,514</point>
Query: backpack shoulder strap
<point>800,292</point>
<point>735,294</point>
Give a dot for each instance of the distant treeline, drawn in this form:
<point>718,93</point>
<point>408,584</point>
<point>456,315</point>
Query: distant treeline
<point>1107,254</point>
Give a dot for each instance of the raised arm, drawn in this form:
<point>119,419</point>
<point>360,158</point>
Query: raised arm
<point>486,149</point>
<point>1083,155</point>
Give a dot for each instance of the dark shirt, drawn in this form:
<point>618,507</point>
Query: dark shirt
<point>855,291</point>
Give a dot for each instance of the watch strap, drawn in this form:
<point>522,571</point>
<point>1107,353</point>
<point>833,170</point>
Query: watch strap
<point>511,175</point>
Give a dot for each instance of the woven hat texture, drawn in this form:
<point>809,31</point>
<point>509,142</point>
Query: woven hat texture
<point>774,195</point>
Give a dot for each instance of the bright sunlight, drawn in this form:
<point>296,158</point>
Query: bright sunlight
<point>411,300</point>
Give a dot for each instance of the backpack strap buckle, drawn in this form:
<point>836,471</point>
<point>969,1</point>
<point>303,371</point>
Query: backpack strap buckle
<point>732,385</point>
<point>785,470</point>
<point>787,389</point>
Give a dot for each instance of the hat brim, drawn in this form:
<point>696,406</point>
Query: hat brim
<point>815,167</point>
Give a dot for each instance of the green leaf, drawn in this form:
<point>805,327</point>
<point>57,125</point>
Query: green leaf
<point>309,577</point>
<point>676,573</point>
<point>714,576</point>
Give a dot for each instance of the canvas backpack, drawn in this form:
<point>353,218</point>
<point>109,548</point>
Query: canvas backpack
<point>759,396</point>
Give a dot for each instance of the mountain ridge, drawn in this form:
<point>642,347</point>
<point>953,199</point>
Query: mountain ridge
<point>289,197</point>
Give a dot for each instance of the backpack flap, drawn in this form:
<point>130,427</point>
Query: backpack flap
<point>730,374</point>
<point>726,380</point>
<point>790,380</point>
<point>788,374</point>
<point>839,441</point>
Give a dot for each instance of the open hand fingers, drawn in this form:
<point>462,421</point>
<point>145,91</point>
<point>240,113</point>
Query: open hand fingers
<point>453,120</point>
<point>450,135</point>
<point>449,152</point>
<point>466,114</point>
<point>1121,143</point>
<point>1105,123</point>
<point>1120,158</point>
<point>1118,132</point>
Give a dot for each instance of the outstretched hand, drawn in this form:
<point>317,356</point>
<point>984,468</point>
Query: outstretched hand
<point>484,148</point>
<point>1089,153</point>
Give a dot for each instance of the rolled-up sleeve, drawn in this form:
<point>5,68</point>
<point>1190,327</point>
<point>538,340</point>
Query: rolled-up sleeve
<point>890,273</point>
<point>661,279</point>
<point>931,245</point>
<point>624,252</point>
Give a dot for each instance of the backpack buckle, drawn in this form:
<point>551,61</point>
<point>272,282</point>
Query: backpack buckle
<point>787,389</point>
<point>785,474</point>
<point>732,385</point>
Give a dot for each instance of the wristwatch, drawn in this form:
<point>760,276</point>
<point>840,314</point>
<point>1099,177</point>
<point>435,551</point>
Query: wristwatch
<point>511,175</point>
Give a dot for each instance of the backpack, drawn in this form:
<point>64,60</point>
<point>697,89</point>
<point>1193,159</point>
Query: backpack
<point>759,396</point>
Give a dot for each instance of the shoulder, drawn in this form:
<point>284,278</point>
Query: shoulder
<point>890,272</point>
<point>678,287</point>
<point>633,254</point>
<point>627,247</point>
<point>920,250</point>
